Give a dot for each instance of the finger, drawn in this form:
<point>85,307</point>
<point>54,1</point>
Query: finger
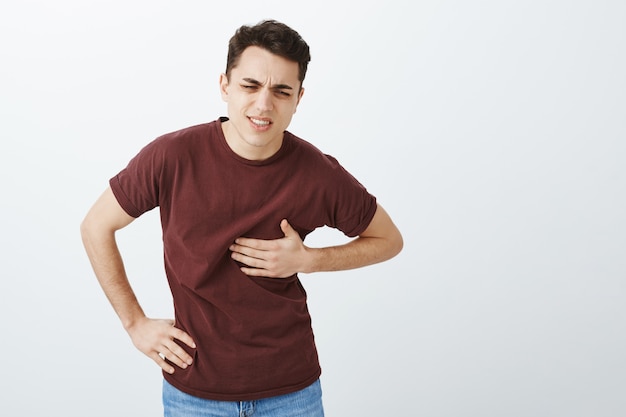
<point>248,260</point>
<point>286,228</point>
<point>257,272</point>
<point>159,358</point>
<point>258,244</point>
<point>180,355</point>
<point>244,250</point>
<point>176,355</point>
<point>247,251</point>
<point>184,337</point>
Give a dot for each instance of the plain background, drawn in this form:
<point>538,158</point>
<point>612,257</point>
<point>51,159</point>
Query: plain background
<point>492,131</point>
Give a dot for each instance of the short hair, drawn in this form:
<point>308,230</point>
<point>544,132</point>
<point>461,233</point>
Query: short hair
<point>273,36</point>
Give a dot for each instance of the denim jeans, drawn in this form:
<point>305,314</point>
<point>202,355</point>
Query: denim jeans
<point>303,403</point>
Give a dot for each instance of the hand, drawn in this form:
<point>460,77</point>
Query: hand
<point>155,338</point>
<point>278,258</point>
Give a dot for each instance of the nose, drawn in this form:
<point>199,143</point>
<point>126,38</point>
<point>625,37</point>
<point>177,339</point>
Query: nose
<point>264,100</point>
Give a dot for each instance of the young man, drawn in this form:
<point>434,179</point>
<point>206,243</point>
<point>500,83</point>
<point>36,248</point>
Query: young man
<point>237,196</point>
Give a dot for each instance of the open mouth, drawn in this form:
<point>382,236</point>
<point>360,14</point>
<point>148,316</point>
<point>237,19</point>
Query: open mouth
<point>260,122</point>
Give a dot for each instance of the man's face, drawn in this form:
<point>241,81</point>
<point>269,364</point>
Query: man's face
<point>262,95</point>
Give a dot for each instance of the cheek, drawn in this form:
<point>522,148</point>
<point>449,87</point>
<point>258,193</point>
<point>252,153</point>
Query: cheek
<point>236,102</point>
<point>293,109</point>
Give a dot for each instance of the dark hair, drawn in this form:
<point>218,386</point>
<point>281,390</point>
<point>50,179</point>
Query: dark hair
<point>273,36</point>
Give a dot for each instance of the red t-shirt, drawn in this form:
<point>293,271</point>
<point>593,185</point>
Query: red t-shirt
<point>253,335</point>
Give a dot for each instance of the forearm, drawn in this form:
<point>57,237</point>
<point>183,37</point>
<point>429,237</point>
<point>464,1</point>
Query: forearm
<point>360,252</point>
<point>280,258</point>
<point>156,338</point>
<point>379,242</point>
<point>108,267</point>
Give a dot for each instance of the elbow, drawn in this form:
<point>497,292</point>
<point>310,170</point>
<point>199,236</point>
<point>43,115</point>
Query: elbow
<point>397,244</point>
<point>90,229</point>
<point>394,243</point>
<point>86,230</point>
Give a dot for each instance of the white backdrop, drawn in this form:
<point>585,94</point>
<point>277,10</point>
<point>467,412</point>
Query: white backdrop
<point>492,131</point>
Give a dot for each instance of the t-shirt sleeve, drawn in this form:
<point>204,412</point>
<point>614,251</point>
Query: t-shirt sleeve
<point>136,187</point>
<point>352,207</point>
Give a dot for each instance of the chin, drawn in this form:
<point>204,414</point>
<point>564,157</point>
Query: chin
<point>257,143</point>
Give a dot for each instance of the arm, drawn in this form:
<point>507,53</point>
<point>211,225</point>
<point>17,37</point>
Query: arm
<point>288,255</point>
<point>155,338</point>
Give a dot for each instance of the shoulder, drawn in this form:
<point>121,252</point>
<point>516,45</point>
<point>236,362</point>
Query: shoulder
<point>307,153</point>
<point>170,149</point>
<point>186,135</point>
<point>179,142</point>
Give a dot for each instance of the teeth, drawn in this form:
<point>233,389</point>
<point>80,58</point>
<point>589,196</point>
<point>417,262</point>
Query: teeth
<point>260,122</point>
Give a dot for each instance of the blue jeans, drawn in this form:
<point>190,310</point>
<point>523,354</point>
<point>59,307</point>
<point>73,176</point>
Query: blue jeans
<point>303,403</point>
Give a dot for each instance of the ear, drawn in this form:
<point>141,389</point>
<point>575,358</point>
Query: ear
<point>224,86</point>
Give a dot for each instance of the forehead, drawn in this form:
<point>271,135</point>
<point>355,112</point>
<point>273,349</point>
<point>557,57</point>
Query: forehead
<point>260,64</point>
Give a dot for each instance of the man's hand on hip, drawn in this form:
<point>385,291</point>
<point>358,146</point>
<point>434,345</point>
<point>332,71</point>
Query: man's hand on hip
<point>157,339</point>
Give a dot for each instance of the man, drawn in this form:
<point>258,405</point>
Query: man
<point>236,197</point>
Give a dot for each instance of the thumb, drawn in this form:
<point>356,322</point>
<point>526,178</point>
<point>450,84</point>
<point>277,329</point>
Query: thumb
<point>287,229</point>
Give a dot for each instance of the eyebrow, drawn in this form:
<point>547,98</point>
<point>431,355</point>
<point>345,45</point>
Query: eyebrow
<point>274,87</point>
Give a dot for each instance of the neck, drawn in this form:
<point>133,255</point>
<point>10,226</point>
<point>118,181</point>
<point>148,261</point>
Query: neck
<point>252,149</point>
